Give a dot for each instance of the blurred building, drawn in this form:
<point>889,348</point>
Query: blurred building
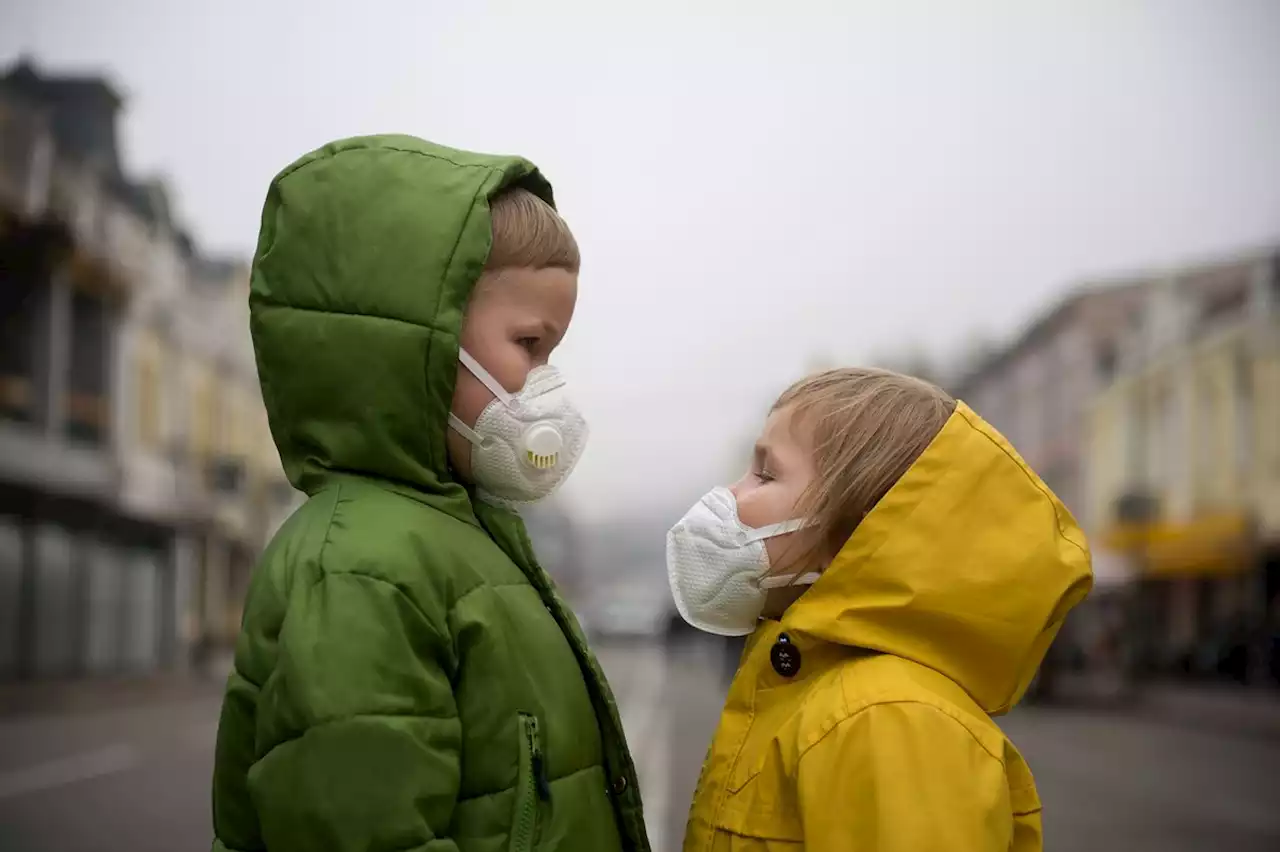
<point>1037,389</point>
<point>1184,459</point>
<point>553,533</point>
<point>135,481</point>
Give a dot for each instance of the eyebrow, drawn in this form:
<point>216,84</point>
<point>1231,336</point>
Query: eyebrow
<point>762,454</point>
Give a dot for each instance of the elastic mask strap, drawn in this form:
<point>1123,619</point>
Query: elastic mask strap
<point>783,580</point>
<point>473,367</point>
<point>776,529</point>
<point>455,423</point>
<point>779,581</point>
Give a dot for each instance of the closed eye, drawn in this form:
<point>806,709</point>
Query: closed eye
<point>761,462</point>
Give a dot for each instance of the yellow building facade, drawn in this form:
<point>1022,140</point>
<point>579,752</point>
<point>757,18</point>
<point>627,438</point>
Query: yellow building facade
<point>1183,454</point>
<point>197,411</point>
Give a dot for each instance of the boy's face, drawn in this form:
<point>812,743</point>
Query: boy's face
<point>516,318</point>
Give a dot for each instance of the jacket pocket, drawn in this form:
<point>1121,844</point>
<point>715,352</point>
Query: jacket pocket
<point>761,804</point>
<point>532,787</point>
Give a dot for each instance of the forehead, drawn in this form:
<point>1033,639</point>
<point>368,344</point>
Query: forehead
<point>785,433</point>
<point>542,290</point>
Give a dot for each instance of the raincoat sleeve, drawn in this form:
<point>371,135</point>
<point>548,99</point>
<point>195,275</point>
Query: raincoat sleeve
<point>903,777</point>
<point>367,732</point>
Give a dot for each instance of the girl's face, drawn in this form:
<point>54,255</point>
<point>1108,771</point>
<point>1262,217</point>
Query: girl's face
<point>781,471</point>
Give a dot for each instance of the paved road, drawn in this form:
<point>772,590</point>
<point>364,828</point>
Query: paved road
<point>137,779</point>
<point>1114,783</point>
<point>670,699</point>
<point>128,779</point>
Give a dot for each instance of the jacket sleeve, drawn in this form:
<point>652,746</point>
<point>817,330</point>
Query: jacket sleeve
<point>903,777</point>
<point>365,730</point>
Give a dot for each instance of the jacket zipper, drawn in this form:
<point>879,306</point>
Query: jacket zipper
<point>533,789</point>
<point>617,755</point>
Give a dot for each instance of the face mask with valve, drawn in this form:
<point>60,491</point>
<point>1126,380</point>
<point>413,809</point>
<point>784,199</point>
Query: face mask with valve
<point>524,445</point>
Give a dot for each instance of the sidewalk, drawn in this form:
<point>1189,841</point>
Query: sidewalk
<point>1238,710</point>
<point>1245,711</point>
<point>80,695</point>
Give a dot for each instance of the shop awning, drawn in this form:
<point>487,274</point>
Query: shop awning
<point>1211,545</point>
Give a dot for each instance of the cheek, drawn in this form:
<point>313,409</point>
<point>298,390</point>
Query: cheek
<point>469,397</point>
<point>762,505</point>
<point>776,549</point>
<point>511,367</point>
<point>486,334</point>
<point>459,449</point>
<point>506,361</point>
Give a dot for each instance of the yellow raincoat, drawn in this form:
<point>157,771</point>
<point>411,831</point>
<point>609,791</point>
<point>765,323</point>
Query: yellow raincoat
<point>861,721</point>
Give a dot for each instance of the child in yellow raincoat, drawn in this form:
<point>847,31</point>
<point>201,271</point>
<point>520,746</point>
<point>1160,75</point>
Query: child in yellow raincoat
<point>901,572</point>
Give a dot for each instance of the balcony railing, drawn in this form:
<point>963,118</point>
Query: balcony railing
<point>111,241</point>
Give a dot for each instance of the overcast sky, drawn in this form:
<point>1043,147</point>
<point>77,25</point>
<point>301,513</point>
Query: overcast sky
<point>755,185</point>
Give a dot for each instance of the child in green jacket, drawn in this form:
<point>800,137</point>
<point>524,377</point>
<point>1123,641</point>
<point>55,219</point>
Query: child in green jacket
<point>406,677</point>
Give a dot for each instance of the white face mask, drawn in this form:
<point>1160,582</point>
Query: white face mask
<point>524,445</point>
<point>717,566</point>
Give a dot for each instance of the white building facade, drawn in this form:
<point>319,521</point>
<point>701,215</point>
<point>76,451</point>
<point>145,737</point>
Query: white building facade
<point>118,469</point>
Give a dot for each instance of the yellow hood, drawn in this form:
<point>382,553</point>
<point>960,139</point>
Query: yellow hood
<point>968,566</point>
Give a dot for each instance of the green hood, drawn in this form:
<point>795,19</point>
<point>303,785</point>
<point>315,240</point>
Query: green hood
<point>367,255</point>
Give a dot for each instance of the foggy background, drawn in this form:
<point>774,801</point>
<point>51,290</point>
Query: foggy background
<point>759,190</point>
<point>753,185</point>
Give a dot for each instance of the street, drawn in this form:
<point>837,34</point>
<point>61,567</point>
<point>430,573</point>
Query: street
<point>137,778</point>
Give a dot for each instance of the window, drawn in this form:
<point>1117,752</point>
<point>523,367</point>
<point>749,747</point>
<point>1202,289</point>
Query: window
<point>1106,359</point>
<point>87,411</point>
<point>203,418</point>
<point>1206,407</point>
<point>1133,423</point>
<point>1224,303</point>
<point>1167,450</point>
<point>1244,409</point>
<point>238,413</point>
<point>149,384</point>
<point>228,471</point>
<point>19,316</point>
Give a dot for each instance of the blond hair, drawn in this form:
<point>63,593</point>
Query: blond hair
<point>869,426</point>
<point>529,234</point>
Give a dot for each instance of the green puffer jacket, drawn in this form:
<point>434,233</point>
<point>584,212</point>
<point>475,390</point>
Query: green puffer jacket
<point>406,677</point>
